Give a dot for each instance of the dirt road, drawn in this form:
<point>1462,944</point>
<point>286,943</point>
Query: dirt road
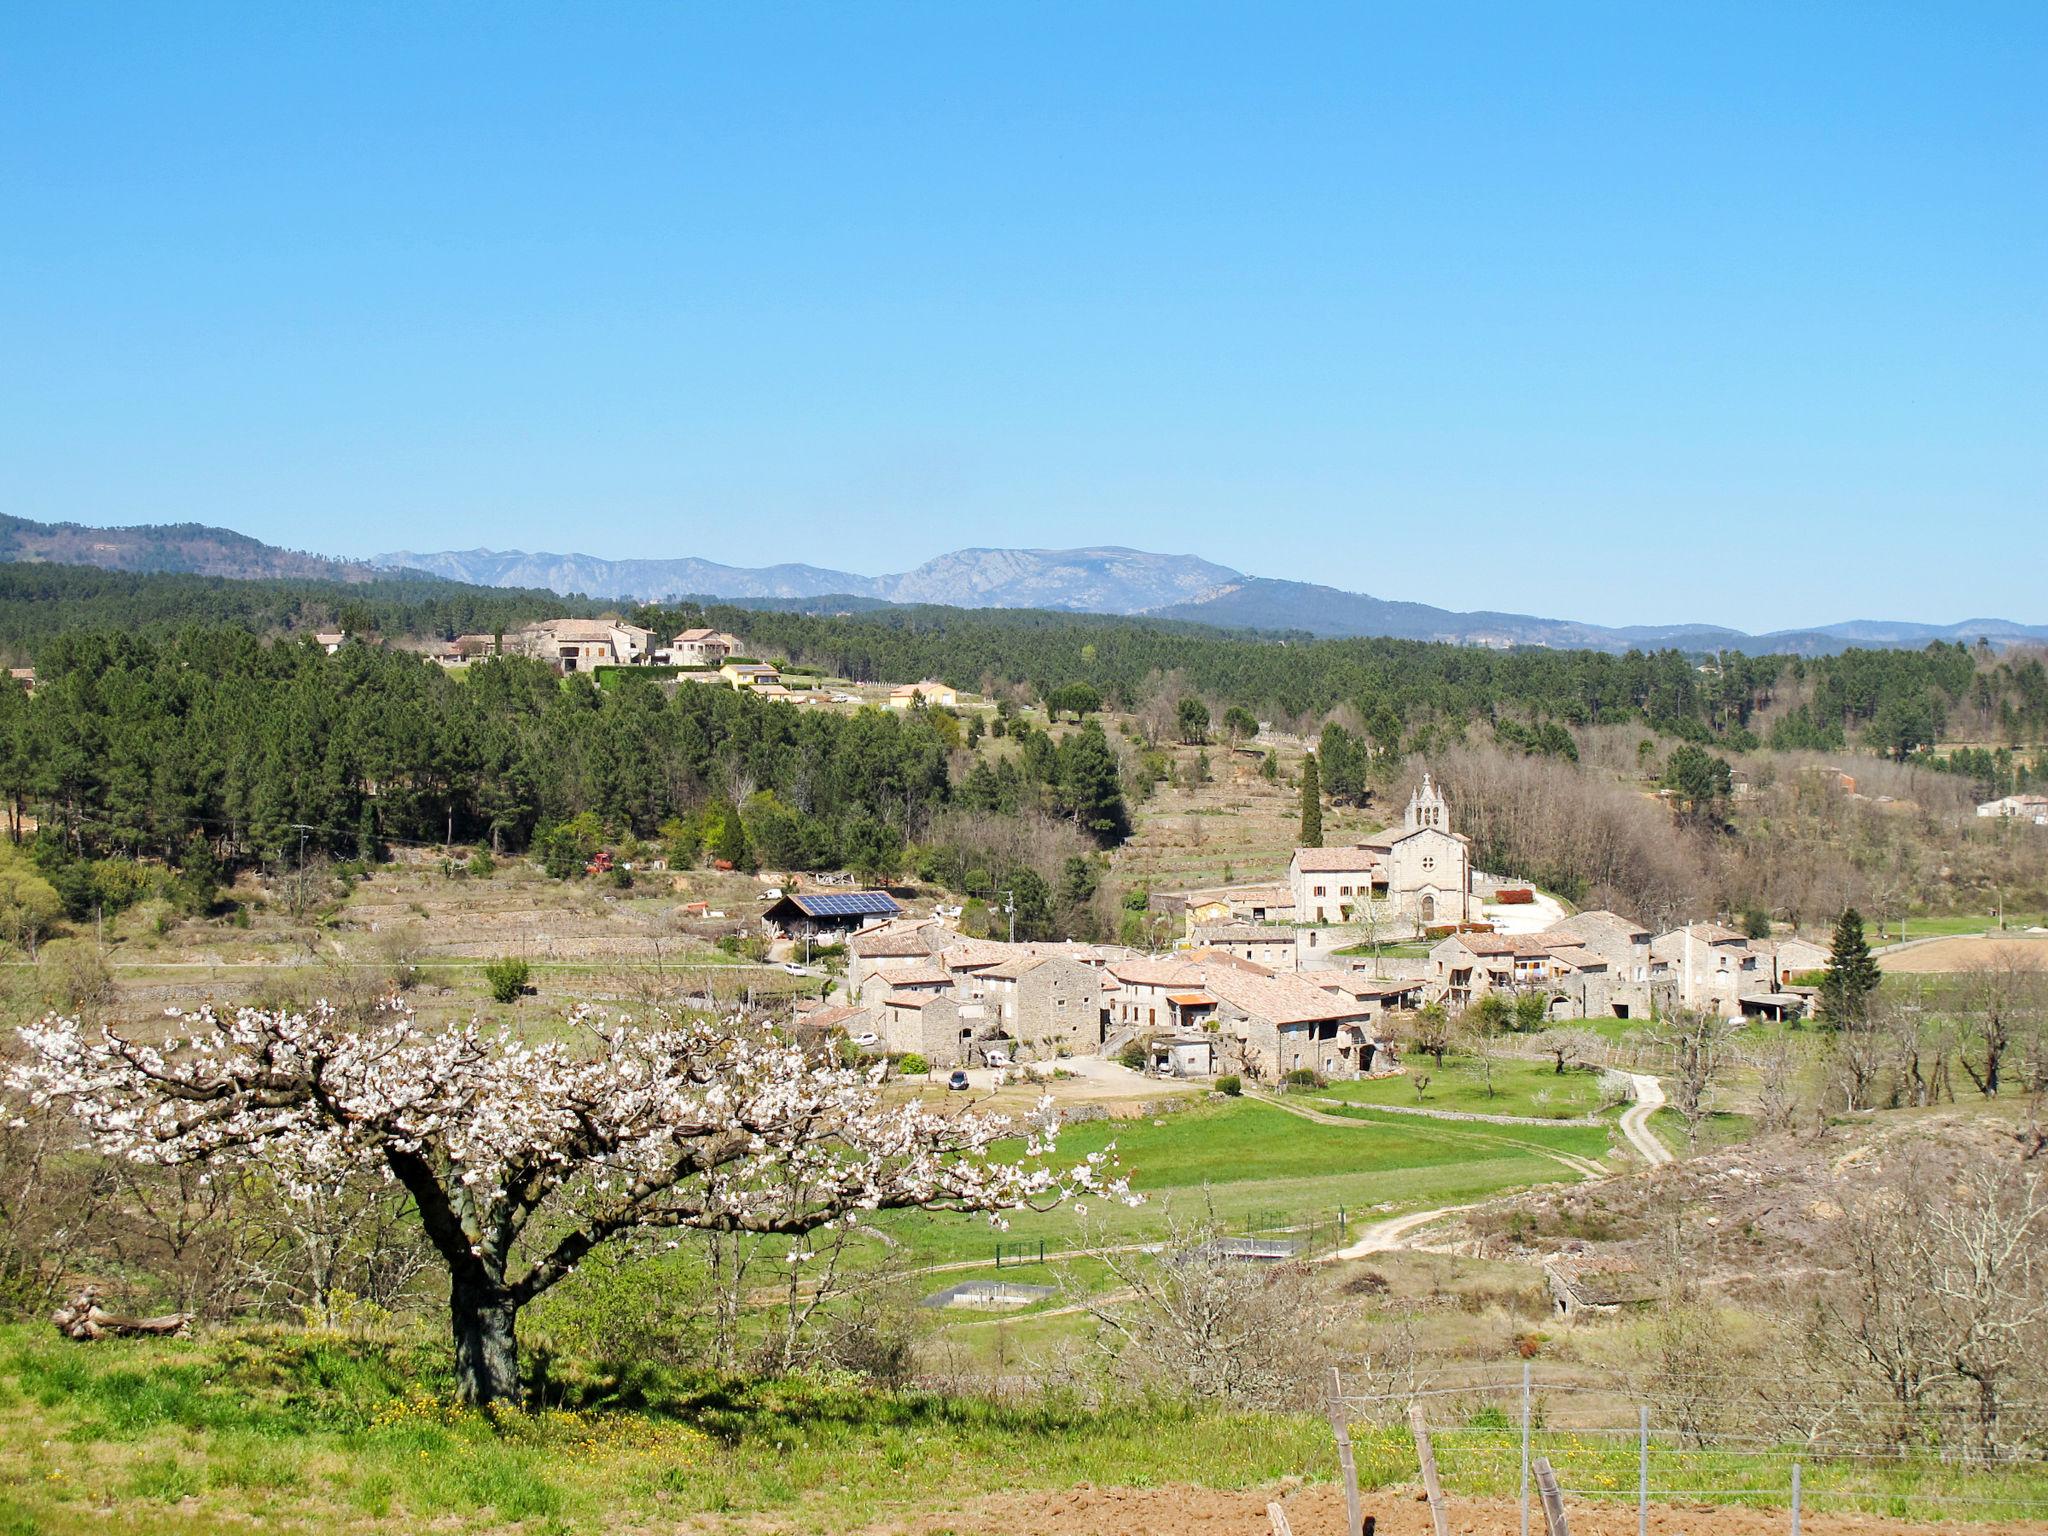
<point>1635,1120</point>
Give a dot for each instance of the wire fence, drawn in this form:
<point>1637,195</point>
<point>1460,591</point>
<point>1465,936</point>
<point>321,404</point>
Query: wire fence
<point>1603,1437</point>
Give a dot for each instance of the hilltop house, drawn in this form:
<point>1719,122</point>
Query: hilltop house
<point>928,692</point>
<point>2032,808</point>
<point>578,645</point>
<point>699,648</point>
<point>754,675</point>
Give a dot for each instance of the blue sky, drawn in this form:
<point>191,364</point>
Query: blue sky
<point>1629,313</point>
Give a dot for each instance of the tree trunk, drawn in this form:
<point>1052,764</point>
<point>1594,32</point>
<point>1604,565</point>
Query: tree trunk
<point>486,1344</point>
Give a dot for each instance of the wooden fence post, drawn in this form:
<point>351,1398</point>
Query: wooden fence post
<point>1795,1499</point>
<point>1553,1500</point>
<point>1525,1448</point>
<point>1278,1516</point>
<point>1427,1456</point>
<point>1340,1426</point>
<point>1643,1470</point>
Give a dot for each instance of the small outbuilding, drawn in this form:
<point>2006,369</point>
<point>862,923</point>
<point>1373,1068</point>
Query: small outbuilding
<point>828,913</point>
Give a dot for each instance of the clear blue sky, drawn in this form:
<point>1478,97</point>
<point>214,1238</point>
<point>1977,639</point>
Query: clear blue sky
<point>1637,312</point>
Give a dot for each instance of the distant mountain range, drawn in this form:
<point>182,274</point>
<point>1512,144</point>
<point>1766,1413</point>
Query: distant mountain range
<point>1108,580</point>
<point>1132,582</point>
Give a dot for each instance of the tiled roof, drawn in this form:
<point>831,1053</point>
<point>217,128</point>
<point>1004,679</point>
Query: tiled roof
<point>1335,861</point>
<point>1245,933</point>
<point>1207,956</point>
<point>913,973</point>
<point>892,942</point>
<point>1599,922</point>
<point>1155,973</point>
<point>1015,966</point>
<point>1278,999</point>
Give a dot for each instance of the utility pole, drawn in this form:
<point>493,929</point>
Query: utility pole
<point>1010,907</point>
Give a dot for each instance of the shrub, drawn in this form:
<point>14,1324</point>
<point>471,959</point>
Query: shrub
<point>1133,1056</point>
<point>913,1065</point>
<point>507,978</point>
<point>1304,1077</point>
<point>481,865</point>
<point>1230,1085</point>
<point>74,976</point>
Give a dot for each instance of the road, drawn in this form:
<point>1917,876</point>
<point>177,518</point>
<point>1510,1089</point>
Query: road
<point>1392,1234</point>
<point>1635,1120</point>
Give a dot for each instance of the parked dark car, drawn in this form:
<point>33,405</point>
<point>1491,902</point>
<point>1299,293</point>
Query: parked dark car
<point>957,1080</point>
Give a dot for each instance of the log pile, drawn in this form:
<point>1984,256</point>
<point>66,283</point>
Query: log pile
<point>83,1318</point>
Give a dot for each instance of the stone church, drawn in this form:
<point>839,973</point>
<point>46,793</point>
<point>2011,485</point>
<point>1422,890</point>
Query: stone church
<point>1417,874</point>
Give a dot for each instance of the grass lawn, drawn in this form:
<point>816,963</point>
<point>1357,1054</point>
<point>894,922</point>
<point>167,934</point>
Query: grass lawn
<point>1720,1129</point>
<point>268,1430</point>
<point>1244,1160</point>
<point>339,1434</point>
<point>1532,1088</point>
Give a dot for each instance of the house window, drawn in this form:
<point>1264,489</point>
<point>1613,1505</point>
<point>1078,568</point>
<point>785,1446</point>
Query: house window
<point>1320,891</point>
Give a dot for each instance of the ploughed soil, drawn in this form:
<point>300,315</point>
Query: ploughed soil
<point>1966,953</point>
<point>1318,1510</point>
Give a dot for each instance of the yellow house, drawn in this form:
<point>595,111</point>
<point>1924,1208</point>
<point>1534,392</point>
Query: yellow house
<point>749,674</point>
<point>931,691</point>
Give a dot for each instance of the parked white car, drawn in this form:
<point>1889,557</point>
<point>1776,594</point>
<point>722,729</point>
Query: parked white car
<point>867,1039</point>
<point>773,893</point>
<point>998,1058</point>
<point>794,969</point>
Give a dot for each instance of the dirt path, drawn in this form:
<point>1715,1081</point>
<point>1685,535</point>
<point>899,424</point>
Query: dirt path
<point>1635,1120</point>
<point>1318,1509</point>
<point>1391,1235</point>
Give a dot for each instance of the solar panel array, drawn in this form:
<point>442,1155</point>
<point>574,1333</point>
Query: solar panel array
<point>852,904</point>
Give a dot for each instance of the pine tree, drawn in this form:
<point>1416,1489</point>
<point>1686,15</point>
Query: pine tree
<point>1311,803</point>
<point>1852,975</point>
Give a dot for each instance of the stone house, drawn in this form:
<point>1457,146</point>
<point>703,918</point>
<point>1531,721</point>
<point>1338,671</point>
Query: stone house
<point>1416,875</point>
<point>1145,989</point>
<point>1049,1005</point>
<point>1464,967</point>
<point>578,645</point>
<point>1277,949</point>
<point>1713,966</point>
<point>1272,1025</point>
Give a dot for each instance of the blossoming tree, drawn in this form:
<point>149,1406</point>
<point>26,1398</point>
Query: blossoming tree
<point>520,1158</point>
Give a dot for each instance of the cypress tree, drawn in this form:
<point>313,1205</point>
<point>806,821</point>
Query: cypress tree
<point>1852,975</point>
<point>1311,803</point>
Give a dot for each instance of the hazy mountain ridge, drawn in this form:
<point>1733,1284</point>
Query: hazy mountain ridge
<point>1117,580</point>
<point>190,549</point>
<point>645,580</point>
<point>1108,579</point>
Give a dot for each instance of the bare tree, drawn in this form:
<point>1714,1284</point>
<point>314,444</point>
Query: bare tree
<point>1571,1047</point>
<point>1429,1032</point>
<point>1702,1050</point>
<point>1194,1320</point>
<point>2002,1005</point>
<point>1942,1294</point>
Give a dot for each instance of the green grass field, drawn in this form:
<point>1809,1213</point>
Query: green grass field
<point>272,1430</point>
<point>1243,1160</point>
<point>1533,1088</point>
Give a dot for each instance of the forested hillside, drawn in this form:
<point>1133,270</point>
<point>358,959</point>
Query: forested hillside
<point>39,602</point>
<point>215,749</point>
<point>1889,700</point>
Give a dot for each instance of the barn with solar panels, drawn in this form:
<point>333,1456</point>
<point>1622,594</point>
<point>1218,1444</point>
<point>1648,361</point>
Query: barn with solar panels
<point>828,913</point>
